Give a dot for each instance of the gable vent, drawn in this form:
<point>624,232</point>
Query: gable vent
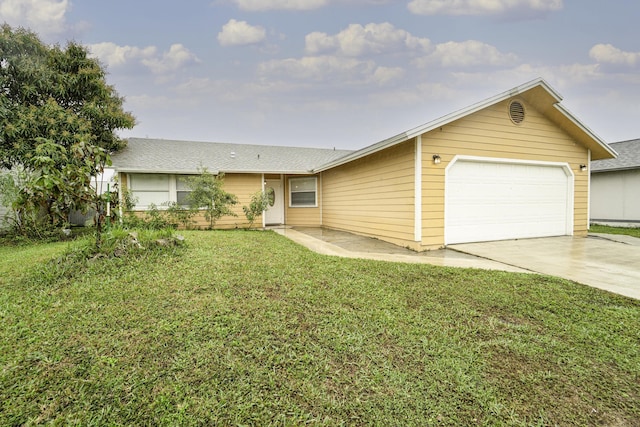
<point>516,112</point>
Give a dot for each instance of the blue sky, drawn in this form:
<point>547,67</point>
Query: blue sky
<point>345,73</point>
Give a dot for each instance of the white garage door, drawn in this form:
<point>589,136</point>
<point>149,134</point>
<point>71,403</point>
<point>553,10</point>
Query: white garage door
<point>489,199</point>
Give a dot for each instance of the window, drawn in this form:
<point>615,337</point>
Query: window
<point>149,189</point>
<point>271,196</point>
<point>182,190</point>
<point>302,192</point>
<point>159,189</point>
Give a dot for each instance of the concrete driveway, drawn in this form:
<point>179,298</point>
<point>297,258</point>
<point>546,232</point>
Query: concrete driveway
<point>609,262</point>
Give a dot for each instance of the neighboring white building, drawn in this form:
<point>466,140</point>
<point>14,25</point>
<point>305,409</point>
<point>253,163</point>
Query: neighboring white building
<point>615,186</point>
<point>99,183</point>
<point>4,210</point>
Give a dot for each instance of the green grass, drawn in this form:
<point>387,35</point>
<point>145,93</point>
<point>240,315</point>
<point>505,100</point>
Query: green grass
<point>630,231</point>
<point>248,328</point>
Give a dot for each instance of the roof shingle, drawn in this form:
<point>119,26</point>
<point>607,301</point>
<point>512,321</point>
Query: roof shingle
<point>172,156</point>
<point>628,157</point>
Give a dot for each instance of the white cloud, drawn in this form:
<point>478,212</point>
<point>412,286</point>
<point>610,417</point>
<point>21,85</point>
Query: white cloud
<point>165,63</point>
<point>384,75</point>
<point>316,67</point>
<point>236,33</point>
<point>609,54</point>
<point>262,5</point>
<point>177,57</point>
<point>113,55</point>
<point>481,7</point>
<point>333,69</point>
<point>358,40</point>
<point>469,53</point>
<point>41,16</point>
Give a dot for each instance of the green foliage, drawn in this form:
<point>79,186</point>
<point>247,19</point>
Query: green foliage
<point>58,119</point>
<point>9,192</point>
<point>207,193</point>
<point>259,203</point>
<point>154,218</point>
<point>117,243</point>
<point>629,231</point>
<point>180,216</point>
<point>252,329</point>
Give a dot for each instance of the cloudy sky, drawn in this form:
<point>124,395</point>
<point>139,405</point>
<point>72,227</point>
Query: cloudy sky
<point>345,73</point>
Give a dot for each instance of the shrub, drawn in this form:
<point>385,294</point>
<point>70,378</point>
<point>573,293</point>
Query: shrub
<point>259,203</point>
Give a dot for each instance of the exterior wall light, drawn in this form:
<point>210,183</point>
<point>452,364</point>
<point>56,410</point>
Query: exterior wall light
<point>583,168</point>
<point>436,159</point>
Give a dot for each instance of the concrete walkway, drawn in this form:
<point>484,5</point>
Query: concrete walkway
<point>606,261</point>
<point>343,244</point>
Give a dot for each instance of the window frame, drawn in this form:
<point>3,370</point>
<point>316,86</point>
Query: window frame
<point>172,190</point>
<point>178,179</point>
<point>131,185</point>
<point>291,191</point>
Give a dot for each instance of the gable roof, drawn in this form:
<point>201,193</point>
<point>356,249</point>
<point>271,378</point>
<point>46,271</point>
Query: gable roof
<point>144,155</point>
<point>537,92</point>
<point>628,157</point>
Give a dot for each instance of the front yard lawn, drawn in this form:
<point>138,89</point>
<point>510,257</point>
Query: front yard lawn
<point>248,328</point>
<point>630,231</point>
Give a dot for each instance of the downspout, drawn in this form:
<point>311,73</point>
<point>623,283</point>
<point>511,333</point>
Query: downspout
<point>120,197</point>
<point>285,202</point>
<point>264,219</point>
<point>418,191</point>
<point>589,190</point>
<point>321,201</point>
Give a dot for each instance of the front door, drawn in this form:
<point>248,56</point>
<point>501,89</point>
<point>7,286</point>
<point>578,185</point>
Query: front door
<point>275,212</point>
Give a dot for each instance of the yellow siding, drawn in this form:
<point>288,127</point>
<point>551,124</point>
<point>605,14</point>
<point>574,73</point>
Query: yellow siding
<point>373,196</point>
<point>490,133</point>
<point>243,186</point>
<point>302,216</point>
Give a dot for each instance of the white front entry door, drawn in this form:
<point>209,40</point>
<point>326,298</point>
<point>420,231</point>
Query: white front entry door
<point>499,200</point>
<point>275,213</point>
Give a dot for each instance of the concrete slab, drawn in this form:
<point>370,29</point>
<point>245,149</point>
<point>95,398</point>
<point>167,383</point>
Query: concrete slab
<point>605,262</point>
<point>621,238</point>
<point>348,245</point>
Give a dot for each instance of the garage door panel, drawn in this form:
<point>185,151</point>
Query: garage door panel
<point>497,201</point>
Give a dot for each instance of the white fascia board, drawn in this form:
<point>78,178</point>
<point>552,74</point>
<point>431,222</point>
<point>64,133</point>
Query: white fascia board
<point>585,129</point>
<point>442,121</point>
<point>628,168</point>
<point>371,149</point>
<point>163,171</point>
<point>270,172</point>
<point>456,115</point>
<point>214,172</point>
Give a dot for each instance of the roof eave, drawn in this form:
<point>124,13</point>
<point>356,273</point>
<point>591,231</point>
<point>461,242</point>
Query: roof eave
<point>371,149</point>
<point>626,168</point>
<point>269,172</point>
<point>442,121</point>
<point>163,171</point>
<point>601,145</point>
<point>215,172</point>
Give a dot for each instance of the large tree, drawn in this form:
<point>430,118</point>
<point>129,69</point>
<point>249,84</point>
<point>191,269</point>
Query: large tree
<point>58,121</point>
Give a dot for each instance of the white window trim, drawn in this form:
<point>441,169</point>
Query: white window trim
<point>173,190</point>
<point>315,180</point>
<point>417,225</point>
